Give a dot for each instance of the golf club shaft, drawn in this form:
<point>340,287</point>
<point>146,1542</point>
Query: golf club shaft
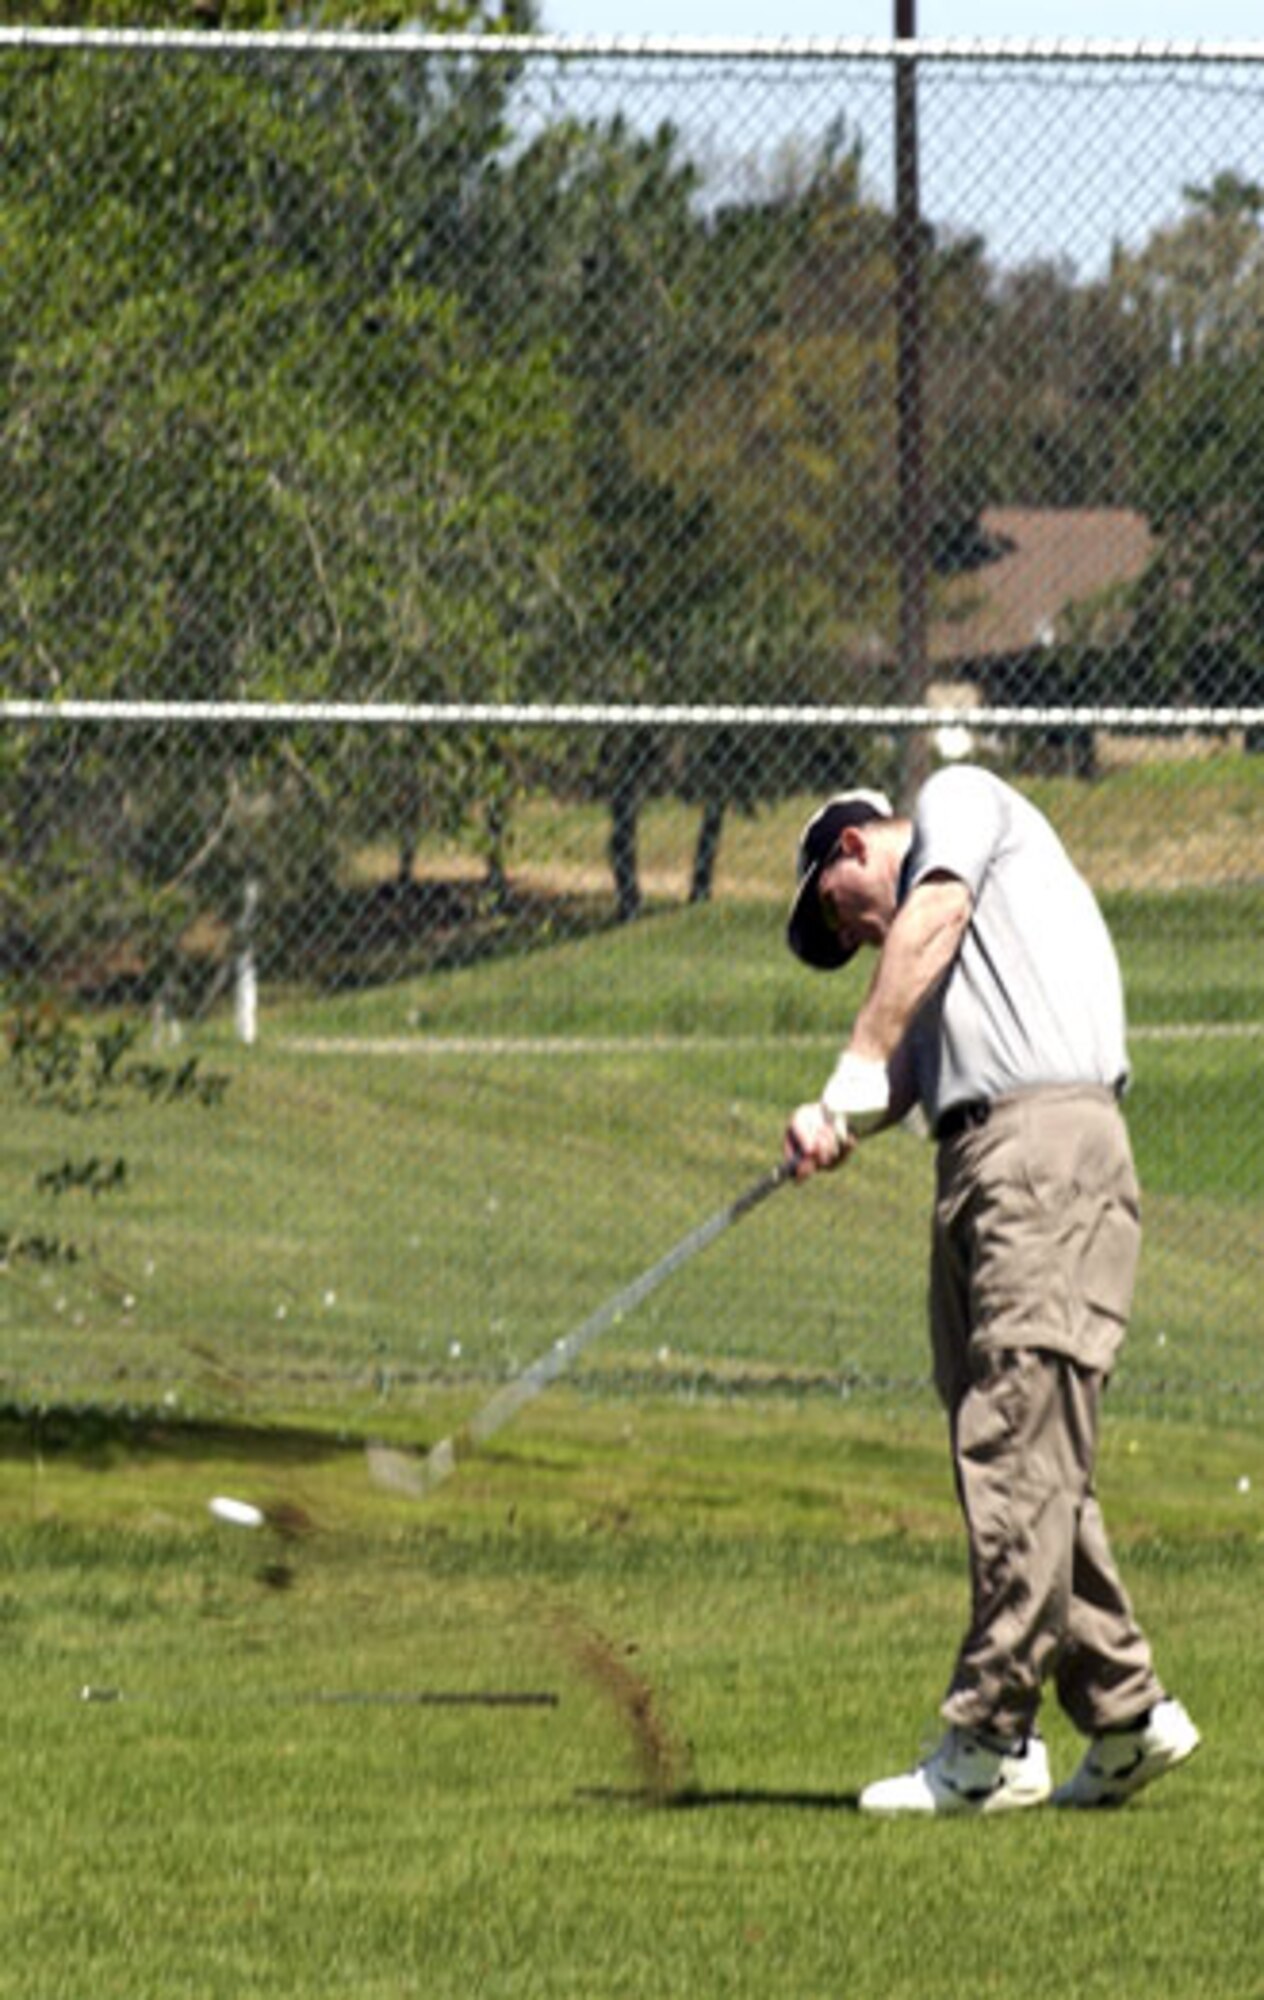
<point>441,1461</point>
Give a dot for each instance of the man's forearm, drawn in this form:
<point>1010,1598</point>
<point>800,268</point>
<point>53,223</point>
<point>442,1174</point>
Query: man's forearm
<point>873,1085</point>
<point>920,946</point>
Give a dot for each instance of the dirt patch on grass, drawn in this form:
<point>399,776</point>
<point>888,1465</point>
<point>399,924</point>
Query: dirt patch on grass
<point>662,1760</point>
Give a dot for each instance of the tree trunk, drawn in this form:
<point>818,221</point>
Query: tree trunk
<point>706,853</point>
<point>624,812</point>
<point>496,822</point>
<point>407,857</point>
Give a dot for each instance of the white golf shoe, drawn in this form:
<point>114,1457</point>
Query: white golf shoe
<point>1120,1761</point>
<point>966,1775</point>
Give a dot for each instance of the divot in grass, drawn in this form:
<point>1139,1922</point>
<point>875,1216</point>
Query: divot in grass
<point>663,1760</point>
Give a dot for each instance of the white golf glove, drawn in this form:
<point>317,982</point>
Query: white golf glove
<point>857,1097</point>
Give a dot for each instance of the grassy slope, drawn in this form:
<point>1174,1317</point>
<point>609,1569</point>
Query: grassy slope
<point>381,1211</point>
<point>369,1242</point>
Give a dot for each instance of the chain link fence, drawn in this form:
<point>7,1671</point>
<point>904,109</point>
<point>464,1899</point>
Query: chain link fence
<point>461,503</point>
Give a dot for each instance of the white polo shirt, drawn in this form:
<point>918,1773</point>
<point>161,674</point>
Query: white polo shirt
<point>1034,995</point>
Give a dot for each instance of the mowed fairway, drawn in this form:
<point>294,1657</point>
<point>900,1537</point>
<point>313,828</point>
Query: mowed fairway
<point>590,1722</point>
<point>592,1719</point>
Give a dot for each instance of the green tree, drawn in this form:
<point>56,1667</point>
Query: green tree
<point>1198,285</point>
<point>262,448</point>
<point>781,435</point>
<point>1046,371</point>
<point>589,236</point>
<point>1199,609</point>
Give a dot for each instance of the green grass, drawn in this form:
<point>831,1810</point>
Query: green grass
<point>1191,956</point>
<point>723,970</point>
<point>774,1592</point>
<point>728,1546</point>
<point>334,1233</point>
<point>719,969</point>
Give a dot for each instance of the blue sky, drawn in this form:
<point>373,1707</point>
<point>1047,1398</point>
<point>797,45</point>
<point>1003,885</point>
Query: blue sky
<point>1084,184</point>
<point>1113,20</point>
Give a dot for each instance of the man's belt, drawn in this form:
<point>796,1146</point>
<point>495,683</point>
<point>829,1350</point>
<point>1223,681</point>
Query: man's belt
<point>975,1112</point>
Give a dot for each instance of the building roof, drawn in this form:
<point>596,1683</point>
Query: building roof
<point>1046,560</point>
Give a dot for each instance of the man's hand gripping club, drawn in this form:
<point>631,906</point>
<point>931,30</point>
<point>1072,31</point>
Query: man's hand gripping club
<point>855,1102</point>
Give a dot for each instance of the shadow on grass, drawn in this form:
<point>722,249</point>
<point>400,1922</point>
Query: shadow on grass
<point>85,1432</point>
<point>700,1798</point>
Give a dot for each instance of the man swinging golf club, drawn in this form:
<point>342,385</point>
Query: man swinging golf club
<point>996,1004</point>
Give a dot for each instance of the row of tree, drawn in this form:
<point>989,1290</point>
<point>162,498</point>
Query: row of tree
<point>355,377</point>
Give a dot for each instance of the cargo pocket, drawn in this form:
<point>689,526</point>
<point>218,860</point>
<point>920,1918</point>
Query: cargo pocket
<point>1108,1268</point>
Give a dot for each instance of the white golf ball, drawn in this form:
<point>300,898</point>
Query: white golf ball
<point>238,1513</point>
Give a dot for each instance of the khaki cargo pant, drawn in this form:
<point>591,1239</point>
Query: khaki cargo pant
<point>1035,1242</point>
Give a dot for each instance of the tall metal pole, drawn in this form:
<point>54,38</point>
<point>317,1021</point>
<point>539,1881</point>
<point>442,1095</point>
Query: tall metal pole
<point>910,426</point>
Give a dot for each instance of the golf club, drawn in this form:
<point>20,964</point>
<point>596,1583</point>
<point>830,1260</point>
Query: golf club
<point>399,1472</point>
